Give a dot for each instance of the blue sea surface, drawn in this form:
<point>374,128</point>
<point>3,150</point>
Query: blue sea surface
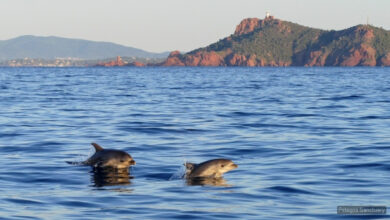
<point>306,140</point>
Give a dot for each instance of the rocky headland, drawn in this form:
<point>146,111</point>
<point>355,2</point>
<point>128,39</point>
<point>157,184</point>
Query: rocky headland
<point>274,42</point>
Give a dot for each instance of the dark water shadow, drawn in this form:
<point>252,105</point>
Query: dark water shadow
<point>101,177</point>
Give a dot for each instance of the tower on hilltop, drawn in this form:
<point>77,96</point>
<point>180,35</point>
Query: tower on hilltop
<point>268,16</point>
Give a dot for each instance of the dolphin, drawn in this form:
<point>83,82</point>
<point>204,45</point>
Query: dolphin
<point>211,168</point>
<point>108,158</point>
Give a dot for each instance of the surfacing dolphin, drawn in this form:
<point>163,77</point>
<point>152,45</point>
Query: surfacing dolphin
<point>209,169</point>
<point>109,158</point>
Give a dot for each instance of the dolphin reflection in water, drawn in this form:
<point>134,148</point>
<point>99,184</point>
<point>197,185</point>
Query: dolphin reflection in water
<point>110,177</point>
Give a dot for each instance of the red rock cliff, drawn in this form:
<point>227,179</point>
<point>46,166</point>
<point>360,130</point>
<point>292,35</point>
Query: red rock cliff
<point>201,58</point>
<point>273,42</point>
<point>247,25</point>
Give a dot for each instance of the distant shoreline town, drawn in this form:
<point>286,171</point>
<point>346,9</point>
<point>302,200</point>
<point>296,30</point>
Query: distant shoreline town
<point>76,62</point>
<point>255,43</point>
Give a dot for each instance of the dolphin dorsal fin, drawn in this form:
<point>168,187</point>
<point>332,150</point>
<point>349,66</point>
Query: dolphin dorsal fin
<point>97,147</point>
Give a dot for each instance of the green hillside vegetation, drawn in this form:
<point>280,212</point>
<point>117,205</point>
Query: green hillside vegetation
<point>276,42</point>
<point>269,42</point>
<point>381,42</point>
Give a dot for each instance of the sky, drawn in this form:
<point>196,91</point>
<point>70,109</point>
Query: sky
<point>167,25</point>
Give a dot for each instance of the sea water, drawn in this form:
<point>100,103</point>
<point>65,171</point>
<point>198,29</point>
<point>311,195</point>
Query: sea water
<point>306,140</point>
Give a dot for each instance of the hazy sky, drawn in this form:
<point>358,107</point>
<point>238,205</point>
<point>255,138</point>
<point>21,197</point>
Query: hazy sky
<point>166,25</point>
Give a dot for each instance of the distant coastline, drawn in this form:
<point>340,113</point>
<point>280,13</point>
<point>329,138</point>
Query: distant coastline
<point>76,62</point>
<point>62,52</point>
<point>255,43</point>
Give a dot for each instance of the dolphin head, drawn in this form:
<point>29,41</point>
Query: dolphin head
<point>189,167</point>
<point>210,168</point>
<point>116,159</point>
<point>225,165</point>
<point>107,158</point>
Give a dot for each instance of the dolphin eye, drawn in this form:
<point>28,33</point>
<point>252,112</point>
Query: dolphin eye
<point>222,165</point>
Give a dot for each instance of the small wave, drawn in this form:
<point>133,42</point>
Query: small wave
<point>248,114</point>
<point>253,151</point>
<point>299,115</point>
<point>350,180</point>
<point>266,125</point>
<point>287,189</point>
<point>78,204</point>
<point>271,100</point>
<point>73,110</point>
<point>159,176</point>
<point>12,134</point>
<point>47,143</point>
<point>24,201</point>
<point>365,165</point>
<point>329,107</point>
<point>340,98</point>
<point>370,117</point>
<point>151,130</point>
